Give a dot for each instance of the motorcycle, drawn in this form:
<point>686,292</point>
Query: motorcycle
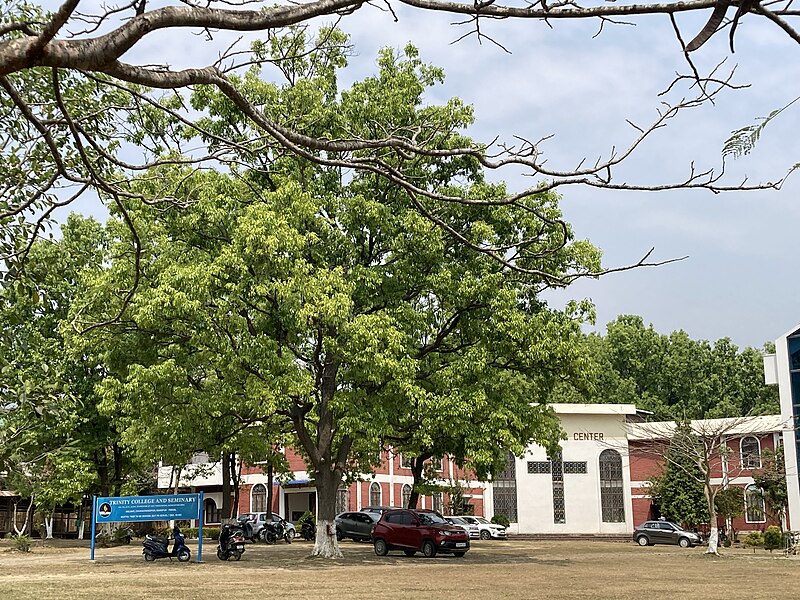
<point>275,530</point>
<point>308,531</point>
<point>247,529</point>
<point>231,543</point>
<point>157,547</point>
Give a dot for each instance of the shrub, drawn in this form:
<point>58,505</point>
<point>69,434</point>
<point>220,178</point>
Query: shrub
<point>773,538</point>
<point>208,532</point>
<point>753,540</point>
<point>501,520</point>
<point>307,516</point>
<point>22,543</point>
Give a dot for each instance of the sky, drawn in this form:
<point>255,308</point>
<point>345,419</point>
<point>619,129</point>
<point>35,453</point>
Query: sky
<point>739,279</point>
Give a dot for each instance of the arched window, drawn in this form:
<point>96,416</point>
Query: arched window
<point>612,498</point>
<point>342,498</point>
<point>211,514</point>
<point>754,509</point>
<point>258,498</point>
<point>436,497</point>
<point>375,494</point>
<point>751,452</point>
<point>406,495</point>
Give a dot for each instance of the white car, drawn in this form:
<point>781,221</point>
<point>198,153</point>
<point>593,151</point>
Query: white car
<point>472,530</point>
<point>486,529</point>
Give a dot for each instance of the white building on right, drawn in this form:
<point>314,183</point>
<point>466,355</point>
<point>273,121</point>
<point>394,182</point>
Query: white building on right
<point>783,369</point>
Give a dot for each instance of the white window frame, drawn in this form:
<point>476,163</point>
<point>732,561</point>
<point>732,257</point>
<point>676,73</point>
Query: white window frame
<point>266,497</point>
<point>762,508</point>
<point>376,486</point>
<point>405,461</point>
<point>745,460</point>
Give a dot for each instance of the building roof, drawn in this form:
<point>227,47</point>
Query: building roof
<point>733,426</point>
<point>594,409</point>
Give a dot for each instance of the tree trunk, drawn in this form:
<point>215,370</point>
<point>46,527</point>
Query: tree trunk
<point>270,475</point>
<point>48,525</point>
<point>713,537</point>
<point>326,545</point>
<point>226,487</point>
<point>417,468</point>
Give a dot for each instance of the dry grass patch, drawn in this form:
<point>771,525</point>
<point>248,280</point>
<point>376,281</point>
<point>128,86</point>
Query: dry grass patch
<point>494,569</point>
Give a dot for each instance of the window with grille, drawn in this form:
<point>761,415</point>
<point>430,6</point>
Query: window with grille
<point>504,490</point>
<point>754,508</point>
<point>211,514</point>
<point>751,452</point>
<point>258,498</point>
<point>405,461</point>
<point>342,497</point>
<point>375,494</point>
<point>612,498</point>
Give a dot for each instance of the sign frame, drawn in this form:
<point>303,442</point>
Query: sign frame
<point>138,509</point>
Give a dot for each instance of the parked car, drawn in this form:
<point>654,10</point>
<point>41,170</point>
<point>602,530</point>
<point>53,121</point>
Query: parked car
<point>665,532</point>
<point>356,525</point>
<point>379,510</point>
<point>415,531</point>
<point>258,520</point>
<point>470,528</point>
<point>486,529</point>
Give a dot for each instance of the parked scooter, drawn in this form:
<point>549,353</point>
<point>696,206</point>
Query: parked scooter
<point>308,531</point>
<point>275,530</point>
<point>247,529</point>
<point>157,547</point>
<point>231,542</point>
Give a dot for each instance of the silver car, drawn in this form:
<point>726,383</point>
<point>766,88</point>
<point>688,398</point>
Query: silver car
<point>356,525</point>
<point>470,528</point>
<point>259,520</point>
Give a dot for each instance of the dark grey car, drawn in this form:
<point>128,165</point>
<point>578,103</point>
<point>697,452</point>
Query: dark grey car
<point>356,525</point>
<point>665,532</point>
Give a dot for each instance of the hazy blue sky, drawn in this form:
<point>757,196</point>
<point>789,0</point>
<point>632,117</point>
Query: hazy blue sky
<point>740,280</point>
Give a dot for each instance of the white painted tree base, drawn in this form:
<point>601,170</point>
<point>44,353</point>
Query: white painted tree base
<point>326,544</point>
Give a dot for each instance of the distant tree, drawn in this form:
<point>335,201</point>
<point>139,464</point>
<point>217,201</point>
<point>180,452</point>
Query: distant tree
<point>771,478</point>
<point>697,450</point>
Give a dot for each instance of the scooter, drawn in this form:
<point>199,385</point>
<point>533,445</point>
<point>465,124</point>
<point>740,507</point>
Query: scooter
<point>157,547</point>
<point>308,531</point>
<point>276,530</point>
<point>231,543</point>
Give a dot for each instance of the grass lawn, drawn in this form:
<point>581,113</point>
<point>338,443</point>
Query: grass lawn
<point>491,569</point>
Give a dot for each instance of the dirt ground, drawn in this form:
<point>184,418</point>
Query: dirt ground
<point>491,569</point>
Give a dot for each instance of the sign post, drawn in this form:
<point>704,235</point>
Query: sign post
<point>166,507</point>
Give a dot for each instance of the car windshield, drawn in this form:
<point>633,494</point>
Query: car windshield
<point>482,520</point>
<point>456,520</point>
<point>432,518</point>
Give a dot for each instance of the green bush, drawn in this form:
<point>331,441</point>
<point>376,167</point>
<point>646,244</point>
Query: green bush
<point>22,543</point>
<point>773,538</point>
<point>208,532</point>
<point>501,520</point>
<point>307,516</point>
<point>753,540</point>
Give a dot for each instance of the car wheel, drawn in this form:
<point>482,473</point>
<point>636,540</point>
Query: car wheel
<point>184,555</point>
<point>381,549</point>
<point>459,554</point>
<point>410,552</point>
<point>642,540</point>
<point>485,535</point>
<point>339,536</point>
<point>428,549</point>
<point>288,537</point>
<point>684,542</point>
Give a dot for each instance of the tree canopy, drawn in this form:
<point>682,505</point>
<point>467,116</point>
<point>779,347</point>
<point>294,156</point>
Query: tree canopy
<point>672,375</point>
<point>73,97</point>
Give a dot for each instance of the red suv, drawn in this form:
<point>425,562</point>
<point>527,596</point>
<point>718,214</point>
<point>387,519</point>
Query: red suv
<point>415,531</point>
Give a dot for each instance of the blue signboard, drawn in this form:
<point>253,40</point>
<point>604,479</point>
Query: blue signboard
<point>148,508</point>
<point>167,507</point>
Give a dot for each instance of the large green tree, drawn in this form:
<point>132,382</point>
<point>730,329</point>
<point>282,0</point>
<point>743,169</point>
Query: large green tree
<point>324,302</point>
<point>56,446</point>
